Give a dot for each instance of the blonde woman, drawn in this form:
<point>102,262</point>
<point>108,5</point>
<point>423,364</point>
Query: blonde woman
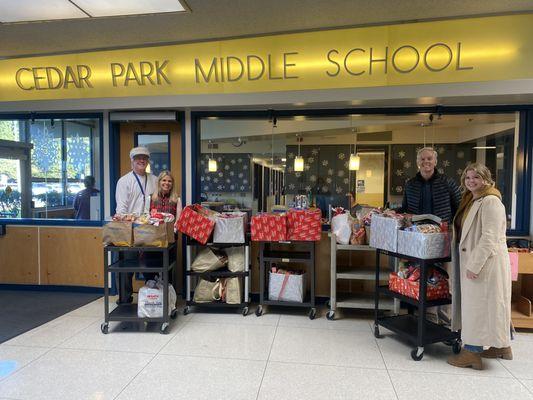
<point>482,308</point>
<point>165,199</point>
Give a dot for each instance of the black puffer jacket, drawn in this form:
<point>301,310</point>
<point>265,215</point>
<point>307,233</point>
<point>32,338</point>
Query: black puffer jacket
<point>445,192</point>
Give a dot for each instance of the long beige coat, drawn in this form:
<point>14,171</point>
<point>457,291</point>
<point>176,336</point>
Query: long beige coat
<point>482,308</point>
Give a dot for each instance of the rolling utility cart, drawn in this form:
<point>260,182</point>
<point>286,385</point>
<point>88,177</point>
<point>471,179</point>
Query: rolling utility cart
<point>128,312</point>
<point>304,255</point>
<point>360,301</point>
<point>192,245</point>
<point>416,330</point>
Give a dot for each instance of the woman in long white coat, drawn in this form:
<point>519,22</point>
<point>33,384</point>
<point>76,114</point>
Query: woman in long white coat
<point>483,268</point>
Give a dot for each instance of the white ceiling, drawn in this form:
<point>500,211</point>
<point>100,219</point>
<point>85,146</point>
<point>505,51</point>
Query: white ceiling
<point>214,19</point>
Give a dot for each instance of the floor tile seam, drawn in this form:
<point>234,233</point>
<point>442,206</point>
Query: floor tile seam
<point>268,358</point>
<point>210,357</point>
<point>170,338</point>
<point>386,368</point>
<point>74,334</point>
<point>102,350</point>
<point>454,374</point>
<point>24,346</point>
<point>325,329</point>
<point>25,366</point>
<point>229,323</point>
<point>135,376</point>
<point>514,376</point>
<point>326,365</point>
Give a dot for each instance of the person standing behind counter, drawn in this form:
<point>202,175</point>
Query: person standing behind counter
<point>481,260</point>
<point>82,201</point>
<point>133,195</point>
<point>430,192</point>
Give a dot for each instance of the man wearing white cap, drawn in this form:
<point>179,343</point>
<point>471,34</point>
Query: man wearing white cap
<point>133,197</point>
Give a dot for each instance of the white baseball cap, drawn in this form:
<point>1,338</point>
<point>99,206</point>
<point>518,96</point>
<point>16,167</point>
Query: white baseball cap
<point>138,151</point>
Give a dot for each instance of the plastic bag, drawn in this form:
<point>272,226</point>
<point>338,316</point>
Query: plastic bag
<point>150,303</point>
<point>340,226</point>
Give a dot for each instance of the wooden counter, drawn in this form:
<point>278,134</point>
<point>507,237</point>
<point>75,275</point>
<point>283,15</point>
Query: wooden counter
<point>521,312</point>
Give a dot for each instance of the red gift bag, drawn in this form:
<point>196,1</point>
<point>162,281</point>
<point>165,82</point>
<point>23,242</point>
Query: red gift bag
<point>304,225</point>
<point>196,222</point>
<point>269,227</point>
<point>412,288</point>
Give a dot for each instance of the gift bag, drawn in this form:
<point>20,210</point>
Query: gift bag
<point>233,290</point>
<point>235,258</point>
<point>340,226</point>
<point>269,227</point>
<point>230,228</point>
<point>358,236</point>
<point>204,291</point>
<point>150,301</point>
<point>197,222</point>
<point>304,225</point>
<point>286,286</point>
<point>147,235</point>
<point>117,233</point>
<point>207,260</point>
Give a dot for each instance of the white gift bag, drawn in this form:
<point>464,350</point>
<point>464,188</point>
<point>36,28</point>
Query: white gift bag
<point>229,228</point>
<point>341,227</point>
<point>150,303</point>
<point>286,287</point>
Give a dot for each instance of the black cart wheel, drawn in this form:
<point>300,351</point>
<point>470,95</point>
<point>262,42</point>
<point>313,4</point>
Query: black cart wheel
<point>104,328</point>
<point>417,354</point>
<point>186,310</point>
<point>330,315</point>
<point>164,328</point>
<point>377,335</point>
<point>174,313</point>
<point>245,311</point>
<point>259,311</point>
<point>456,347</point>
<point>312,313</point>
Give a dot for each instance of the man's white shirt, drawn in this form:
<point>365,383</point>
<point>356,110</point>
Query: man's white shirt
<point>129,196</point>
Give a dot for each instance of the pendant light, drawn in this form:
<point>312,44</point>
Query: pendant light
<point>355,161</point>
<point>212,166</point>
<point>299,160</point>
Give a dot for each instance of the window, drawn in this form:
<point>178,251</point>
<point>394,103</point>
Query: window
<point>386,146</point>
<point>45,164</point>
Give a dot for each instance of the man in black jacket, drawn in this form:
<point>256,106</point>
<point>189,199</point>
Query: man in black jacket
<point>430,192</point>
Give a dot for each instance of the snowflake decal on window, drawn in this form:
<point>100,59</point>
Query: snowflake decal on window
<point>220,174</point>
<point>290,155</point>
<point>239,160</point>
<point>311,160</point>
<point>202,179</point>
<point>328,180</point>
<point>340,173</point>
<point>208,178</point>
<point>308,188</point>
<point>325,163</point>
<point>232,161</point>
<point>407,164</point>
<point>441,171</point>
<point>346,164</point>
<point>446,163</point>
<point>245,167</point>
<point>312,178</point>
<point>330,171</point>
<point>341,156</point>
<point>399,172</point>
<point>215,180</point>
<point>231,173</point>
<point>228,180</point>
<point>245,181</point>
<point>219,159</point>
<point>441,150</point>
<point>346,181</point>
<point>298,174</point>
<point>401,154</point>
<point>307,167</point>
<point>226,167</point>
<point>220,187</point>
<point>240,175</point>
<point>338,189</point>
<point>291,186</point>
<point>314,152</point>
<point>325,189</point>
<point>232,187</point>
<point>399,189</point>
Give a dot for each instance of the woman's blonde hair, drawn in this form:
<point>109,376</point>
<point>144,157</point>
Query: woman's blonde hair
<point>173,195</point>
<point>481,170</point>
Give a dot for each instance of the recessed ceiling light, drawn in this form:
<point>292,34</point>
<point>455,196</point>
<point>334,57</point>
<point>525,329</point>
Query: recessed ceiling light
<point>33,10</point>
<point>105,8</point>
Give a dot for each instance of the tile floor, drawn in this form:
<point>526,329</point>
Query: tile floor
<point>281,355</point>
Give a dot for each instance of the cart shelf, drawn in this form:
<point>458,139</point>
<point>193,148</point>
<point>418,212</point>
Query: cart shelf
<point>429,303</point>
<point>286,256</point>
<point>362,301</point>
<point>136,266</point>
<point>406,326</point>
<point>218,273</point>
<point>365,273</point>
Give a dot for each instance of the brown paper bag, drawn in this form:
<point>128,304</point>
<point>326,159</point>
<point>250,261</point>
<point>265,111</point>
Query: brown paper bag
<point>147,235</point>
<point>117,233</point>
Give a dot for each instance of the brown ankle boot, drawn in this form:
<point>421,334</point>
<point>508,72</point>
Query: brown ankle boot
<point>466,359</point>
<point>495,352</point>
